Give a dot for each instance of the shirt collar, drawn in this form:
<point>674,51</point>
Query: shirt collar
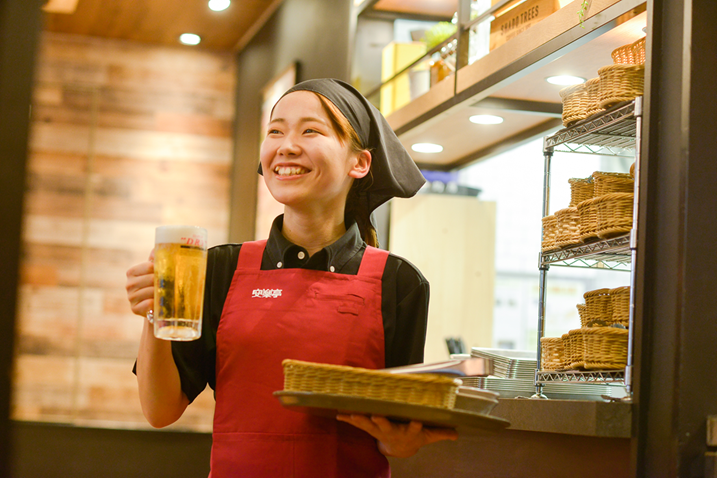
<point>336,255</point>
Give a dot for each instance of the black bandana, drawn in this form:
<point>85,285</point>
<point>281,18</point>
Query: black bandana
<point>395,174</point>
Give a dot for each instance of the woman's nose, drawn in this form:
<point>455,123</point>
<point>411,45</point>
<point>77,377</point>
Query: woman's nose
<point>289,146</point>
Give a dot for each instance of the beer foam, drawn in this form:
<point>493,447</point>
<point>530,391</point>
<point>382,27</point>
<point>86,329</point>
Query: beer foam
<point>186,235</point>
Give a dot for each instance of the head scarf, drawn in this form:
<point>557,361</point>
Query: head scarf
<point>395,174</point>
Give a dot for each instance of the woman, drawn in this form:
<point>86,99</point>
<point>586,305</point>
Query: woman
<point>330,158</point>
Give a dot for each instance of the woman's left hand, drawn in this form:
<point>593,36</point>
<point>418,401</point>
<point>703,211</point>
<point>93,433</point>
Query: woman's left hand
<point>398,439</point>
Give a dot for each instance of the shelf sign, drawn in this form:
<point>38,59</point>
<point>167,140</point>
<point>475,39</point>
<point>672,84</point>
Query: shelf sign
<point>519,19</point>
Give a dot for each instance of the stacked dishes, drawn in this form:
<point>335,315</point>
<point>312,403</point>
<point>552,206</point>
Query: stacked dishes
<point>512,388</point>
<point>514,376</point>
<point>520,364</point>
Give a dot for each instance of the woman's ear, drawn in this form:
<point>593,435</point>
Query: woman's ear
<point>362,165</point>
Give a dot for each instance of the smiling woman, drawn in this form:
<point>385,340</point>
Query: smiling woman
<point>330,158</point>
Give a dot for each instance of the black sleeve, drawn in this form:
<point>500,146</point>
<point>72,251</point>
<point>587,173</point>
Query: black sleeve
<point>196,360</point>
<point>405,312</point>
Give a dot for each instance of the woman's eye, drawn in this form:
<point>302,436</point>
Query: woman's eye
<point>273,131</point>
<point>310,130</point>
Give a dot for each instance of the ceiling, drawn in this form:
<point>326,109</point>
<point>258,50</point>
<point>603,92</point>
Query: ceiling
<point>161,21</point>
<point>464,142</point>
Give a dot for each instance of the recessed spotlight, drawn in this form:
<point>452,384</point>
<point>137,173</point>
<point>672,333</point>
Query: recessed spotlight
<point>219,5</point>
<point>486,119</point>
<point>427,148</point>
<point>565,80</point>
<point>189,39</point>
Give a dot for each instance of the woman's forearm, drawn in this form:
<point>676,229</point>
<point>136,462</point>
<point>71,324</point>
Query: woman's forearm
<point>160,391</point>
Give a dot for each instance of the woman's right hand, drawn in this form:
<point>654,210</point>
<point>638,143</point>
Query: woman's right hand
<point>140,286</point>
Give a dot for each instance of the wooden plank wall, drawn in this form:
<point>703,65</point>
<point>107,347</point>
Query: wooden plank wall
<point>124,137</point>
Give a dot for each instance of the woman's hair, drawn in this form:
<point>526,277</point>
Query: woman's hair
<point>355,209</point>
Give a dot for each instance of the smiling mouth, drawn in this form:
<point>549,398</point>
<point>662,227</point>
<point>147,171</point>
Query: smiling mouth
<point>290,170</point>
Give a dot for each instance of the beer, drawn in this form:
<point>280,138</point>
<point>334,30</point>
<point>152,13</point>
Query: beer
<point>180,263</point>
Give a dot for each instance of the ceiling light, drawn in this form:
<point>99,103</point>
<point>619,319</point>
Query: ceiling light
<point>189,39</point>
<point>427,148</point>
<point>219,5</point>
<point>486,119</point>
<point>565,80</point>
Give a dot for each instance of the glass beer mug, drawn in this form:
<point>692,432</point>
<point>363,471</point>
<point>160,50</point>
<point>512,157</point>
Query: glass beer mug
<point>180,264</point>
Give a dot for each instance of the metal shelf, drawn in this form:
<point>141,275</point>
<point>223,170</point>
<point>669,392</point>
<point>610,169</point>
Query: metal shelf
<point>592,377</point>
<point>611,254</point>
<point>612,132</point>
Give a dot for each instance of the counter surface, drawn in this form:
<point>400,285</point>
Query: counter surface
<point>570,417</point>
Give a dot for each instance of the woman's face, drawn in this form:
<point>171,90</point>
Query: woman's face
<point>305,164</point>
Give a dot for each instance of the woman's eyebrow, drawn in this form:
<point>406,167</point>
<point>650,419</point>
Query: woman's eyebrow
<point>306,119</point>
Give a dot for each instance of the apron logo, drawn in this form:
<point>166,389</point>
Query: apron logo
<point>265,293</point>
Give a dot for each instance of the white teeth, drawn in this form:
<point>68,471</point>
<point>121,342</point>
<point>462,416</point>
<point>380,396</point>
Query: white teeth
<point>289,171</point>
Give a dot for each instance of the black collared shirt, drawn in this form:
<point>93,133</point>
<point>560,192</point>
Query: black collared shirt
<point>404,301</point>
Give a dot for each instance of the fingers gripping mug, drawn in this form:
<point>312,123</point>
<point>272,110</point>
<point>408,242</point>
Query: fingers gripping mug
<point>180,264</point>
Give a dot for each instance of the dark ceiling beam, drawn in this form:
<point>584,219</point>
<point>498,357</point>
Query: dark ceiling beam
<point>543,108</point>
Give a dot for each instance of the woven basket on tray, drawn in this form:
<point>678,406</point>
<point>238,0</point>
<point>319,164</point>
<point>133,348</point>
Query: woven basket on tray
<point>550,231</point>
<point>568,227</point>
<point>587,210</point>
<point>614,214</point>
<point>418,389</point>
<point>598,307</point>
<point>620,83</point>
<point>552,353</point>
<point>620,305</point>
<point>574,103</point>
<point>631,54</point>
<point>605,348</point>
<point>581,189</point>
<point>608,182</point>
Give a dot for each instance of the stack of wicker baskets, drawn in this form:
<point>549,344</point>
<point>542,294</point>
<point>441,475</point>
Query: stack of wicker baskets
<point>609,212</point>
<point>622,81</point>
<point>601,341</point>
<point>600,206</point>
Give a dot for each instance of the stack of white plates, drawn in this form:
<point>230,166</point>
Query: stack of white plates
<point>511,388</point>
<point>519,364</point>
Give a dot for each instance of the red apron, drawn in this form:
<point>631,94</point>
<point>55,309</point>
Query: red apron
<point>300,314</point>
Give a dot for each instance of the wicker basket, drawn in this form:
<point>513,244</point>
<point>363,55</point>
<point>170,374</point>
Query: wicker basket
<point>568,228</point>
<point>550,231</point>
<point>598,308</point>
<point>620,305</point>
<point>418,389</point>
<point>574,104</point>
<point>605,348</point>
<point>592,97</point>
<point>577,353</point>
<point>620,83</point>
<point>632,170</point>
<point>632,54</point>
<point>552,353</point>
<point>587,210</point>
<point>581,189</point>
<point>614,214</point>
<point>567,351</point>
<point>606,183</point>
<point>582,312</point>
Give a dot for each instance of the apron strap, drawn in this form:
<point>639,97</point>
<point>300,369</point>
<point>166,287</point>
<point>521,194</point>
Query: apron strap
<point>251,254</point>
<point>373,263</point>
